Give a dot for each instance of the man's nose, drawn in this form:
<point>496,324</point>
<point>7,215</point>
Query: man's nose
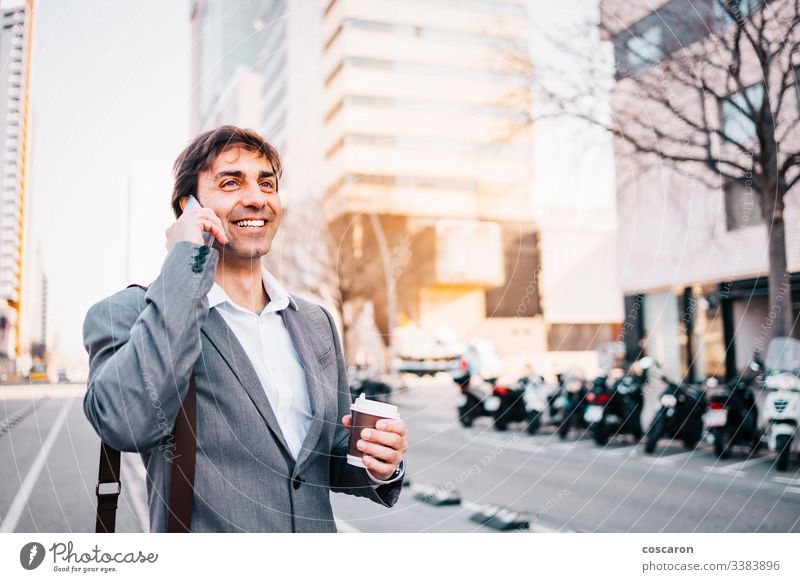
<point>253,196</point>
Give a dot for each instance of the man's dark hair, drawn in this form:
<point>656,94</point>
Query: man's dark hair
<point>203,150</point>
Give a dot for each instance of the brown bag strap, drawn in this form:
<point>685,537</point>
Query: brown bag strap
<point>181,493</point>
<point>181,490</point>
<point>107,490</point>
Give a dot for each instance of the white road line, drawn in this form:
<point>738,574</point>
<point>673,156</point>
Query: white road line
<point>135,483</point>
<point>668,459</point>
<point>620,452</point>
<point>792,490</point>
<point>345,527</point>
<point>21,499</point>
<point>787,480</point>
<point>736,468</point>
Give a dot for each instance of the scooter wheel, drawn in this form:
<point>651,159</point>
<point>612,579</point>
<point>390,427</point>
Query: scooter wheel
<point>654,434</point>
<point>783,443</point>
<point>722,444</point>
<point>600,435</point>
<point>500,424</point>
<point>533,424</point>
<point>466,421</point>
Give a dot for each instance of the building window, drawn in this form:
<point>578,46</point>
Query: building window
<point>739,10</point>
<point>578,337</point>
<point>519,294</point>
<point>742,207</point>
<point>736,124</point>
<point>645,49</point>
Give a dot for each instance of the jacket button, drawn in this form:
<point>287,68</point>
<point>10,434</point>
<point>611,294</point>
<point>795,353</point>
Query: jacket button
<point>296,482</point>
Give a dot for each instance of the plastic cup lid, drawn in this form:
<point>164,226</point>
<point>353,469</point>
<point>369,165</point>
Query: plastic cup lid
<point>375,408</point>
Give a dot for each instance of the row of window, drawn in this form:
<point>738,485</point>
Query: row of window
<point>433,108</point>
<point>412,31</point>
<point>519,80</point>
<point>418,144</point>
<point>461,185</point>
<point>672,27</point>
<point>491,7</point>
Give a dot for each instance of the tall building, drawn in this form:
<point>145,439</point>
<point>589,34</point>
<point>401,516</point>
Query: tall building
<point>406,132</point>
<point>15,47</point>
<point>695,256</point>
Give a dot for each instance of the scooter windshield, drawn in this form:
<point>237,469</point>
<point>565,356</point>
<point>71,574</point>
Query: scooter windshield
<point>783,355</point>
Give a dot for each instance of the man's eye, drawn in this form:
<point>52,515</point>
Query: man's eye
<point>228,183</point>
<point>268,185</point>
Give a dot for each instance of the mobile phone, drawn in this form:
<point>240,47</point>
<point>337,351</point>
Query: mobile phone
<point>193,202</point>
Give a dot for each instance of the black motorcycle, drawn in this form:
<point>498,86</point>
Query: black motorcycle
<point>679,415</point>
<point>472,398</point>
<point>372,389</point>
<point>521,402</point>
<point>570,405</point>
<point>732,415</point>
<point>615,407</point>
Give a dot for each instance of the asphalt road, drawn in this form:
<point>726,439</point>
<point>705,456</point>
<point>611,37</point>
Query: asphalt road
<point>49,454</point>
<point>49,459</point>
<point>573,485</point>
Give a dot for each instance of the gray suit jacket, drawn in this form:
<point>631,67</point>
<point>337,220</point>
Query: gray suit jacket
<point>142,350</point>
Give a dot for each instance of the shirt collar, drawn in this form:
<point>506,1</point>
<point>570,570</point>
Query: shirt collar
<point>279,298</point>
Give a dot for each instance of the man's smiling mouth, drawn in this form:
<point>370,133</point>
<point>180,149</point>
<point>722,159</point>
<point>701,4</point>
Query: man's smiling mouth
<point>254,224</point>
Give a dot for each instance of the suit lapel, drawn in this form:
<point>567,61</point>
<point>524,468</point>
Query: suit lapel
<point>224,340</point>
<point>301,334</point>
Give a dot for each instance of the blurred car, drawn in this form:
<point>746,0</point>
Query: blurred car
<point>424,351</point>
<point>38,373</point>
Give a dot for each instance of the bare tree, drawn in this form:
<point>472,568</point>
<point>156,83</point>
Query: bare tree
<point>709,87</point>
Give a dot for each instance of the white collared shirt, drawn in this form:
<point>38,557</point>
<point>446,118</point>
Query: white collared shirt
<point>268,345</point>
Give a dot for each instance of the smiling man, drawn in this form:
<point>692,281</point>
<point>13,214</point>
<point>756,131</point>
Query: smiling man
<point>266,367</point>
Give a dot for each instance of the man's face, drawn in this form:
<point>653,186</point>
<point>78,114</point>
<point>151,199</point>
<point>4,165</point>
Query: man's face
<point>242,185</point>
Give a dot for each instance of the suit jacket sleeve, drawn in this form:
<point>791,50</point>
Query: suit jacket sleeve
<point>346,478</point>
<point>141,353</point>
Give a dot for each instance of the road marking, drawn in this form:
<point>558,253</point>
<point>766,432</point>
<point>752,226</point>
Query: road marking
<point>346,527</point>
<point>787,480</point>
<point>622,452</point>
<point>668,459</point>
<point>9,423</point>
<point>736,469</point>
<point>21,499</point>
<point>792,490</point>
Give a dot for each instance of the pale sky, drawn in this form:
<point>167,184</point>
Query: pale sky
<point>110,86</point>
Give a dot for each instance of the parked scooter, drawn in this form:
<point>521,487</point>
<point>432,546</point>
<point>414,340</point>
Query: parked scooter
<point>474,393</point>
<point>476,378</point>
<point>536,397</point>
<point>679,413</point>
<point>732,415</point>
<point>367,382</point>
<point>524,401</point>
<point>570,404</point>
<point>615,406</point>
<point>782,405</point>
